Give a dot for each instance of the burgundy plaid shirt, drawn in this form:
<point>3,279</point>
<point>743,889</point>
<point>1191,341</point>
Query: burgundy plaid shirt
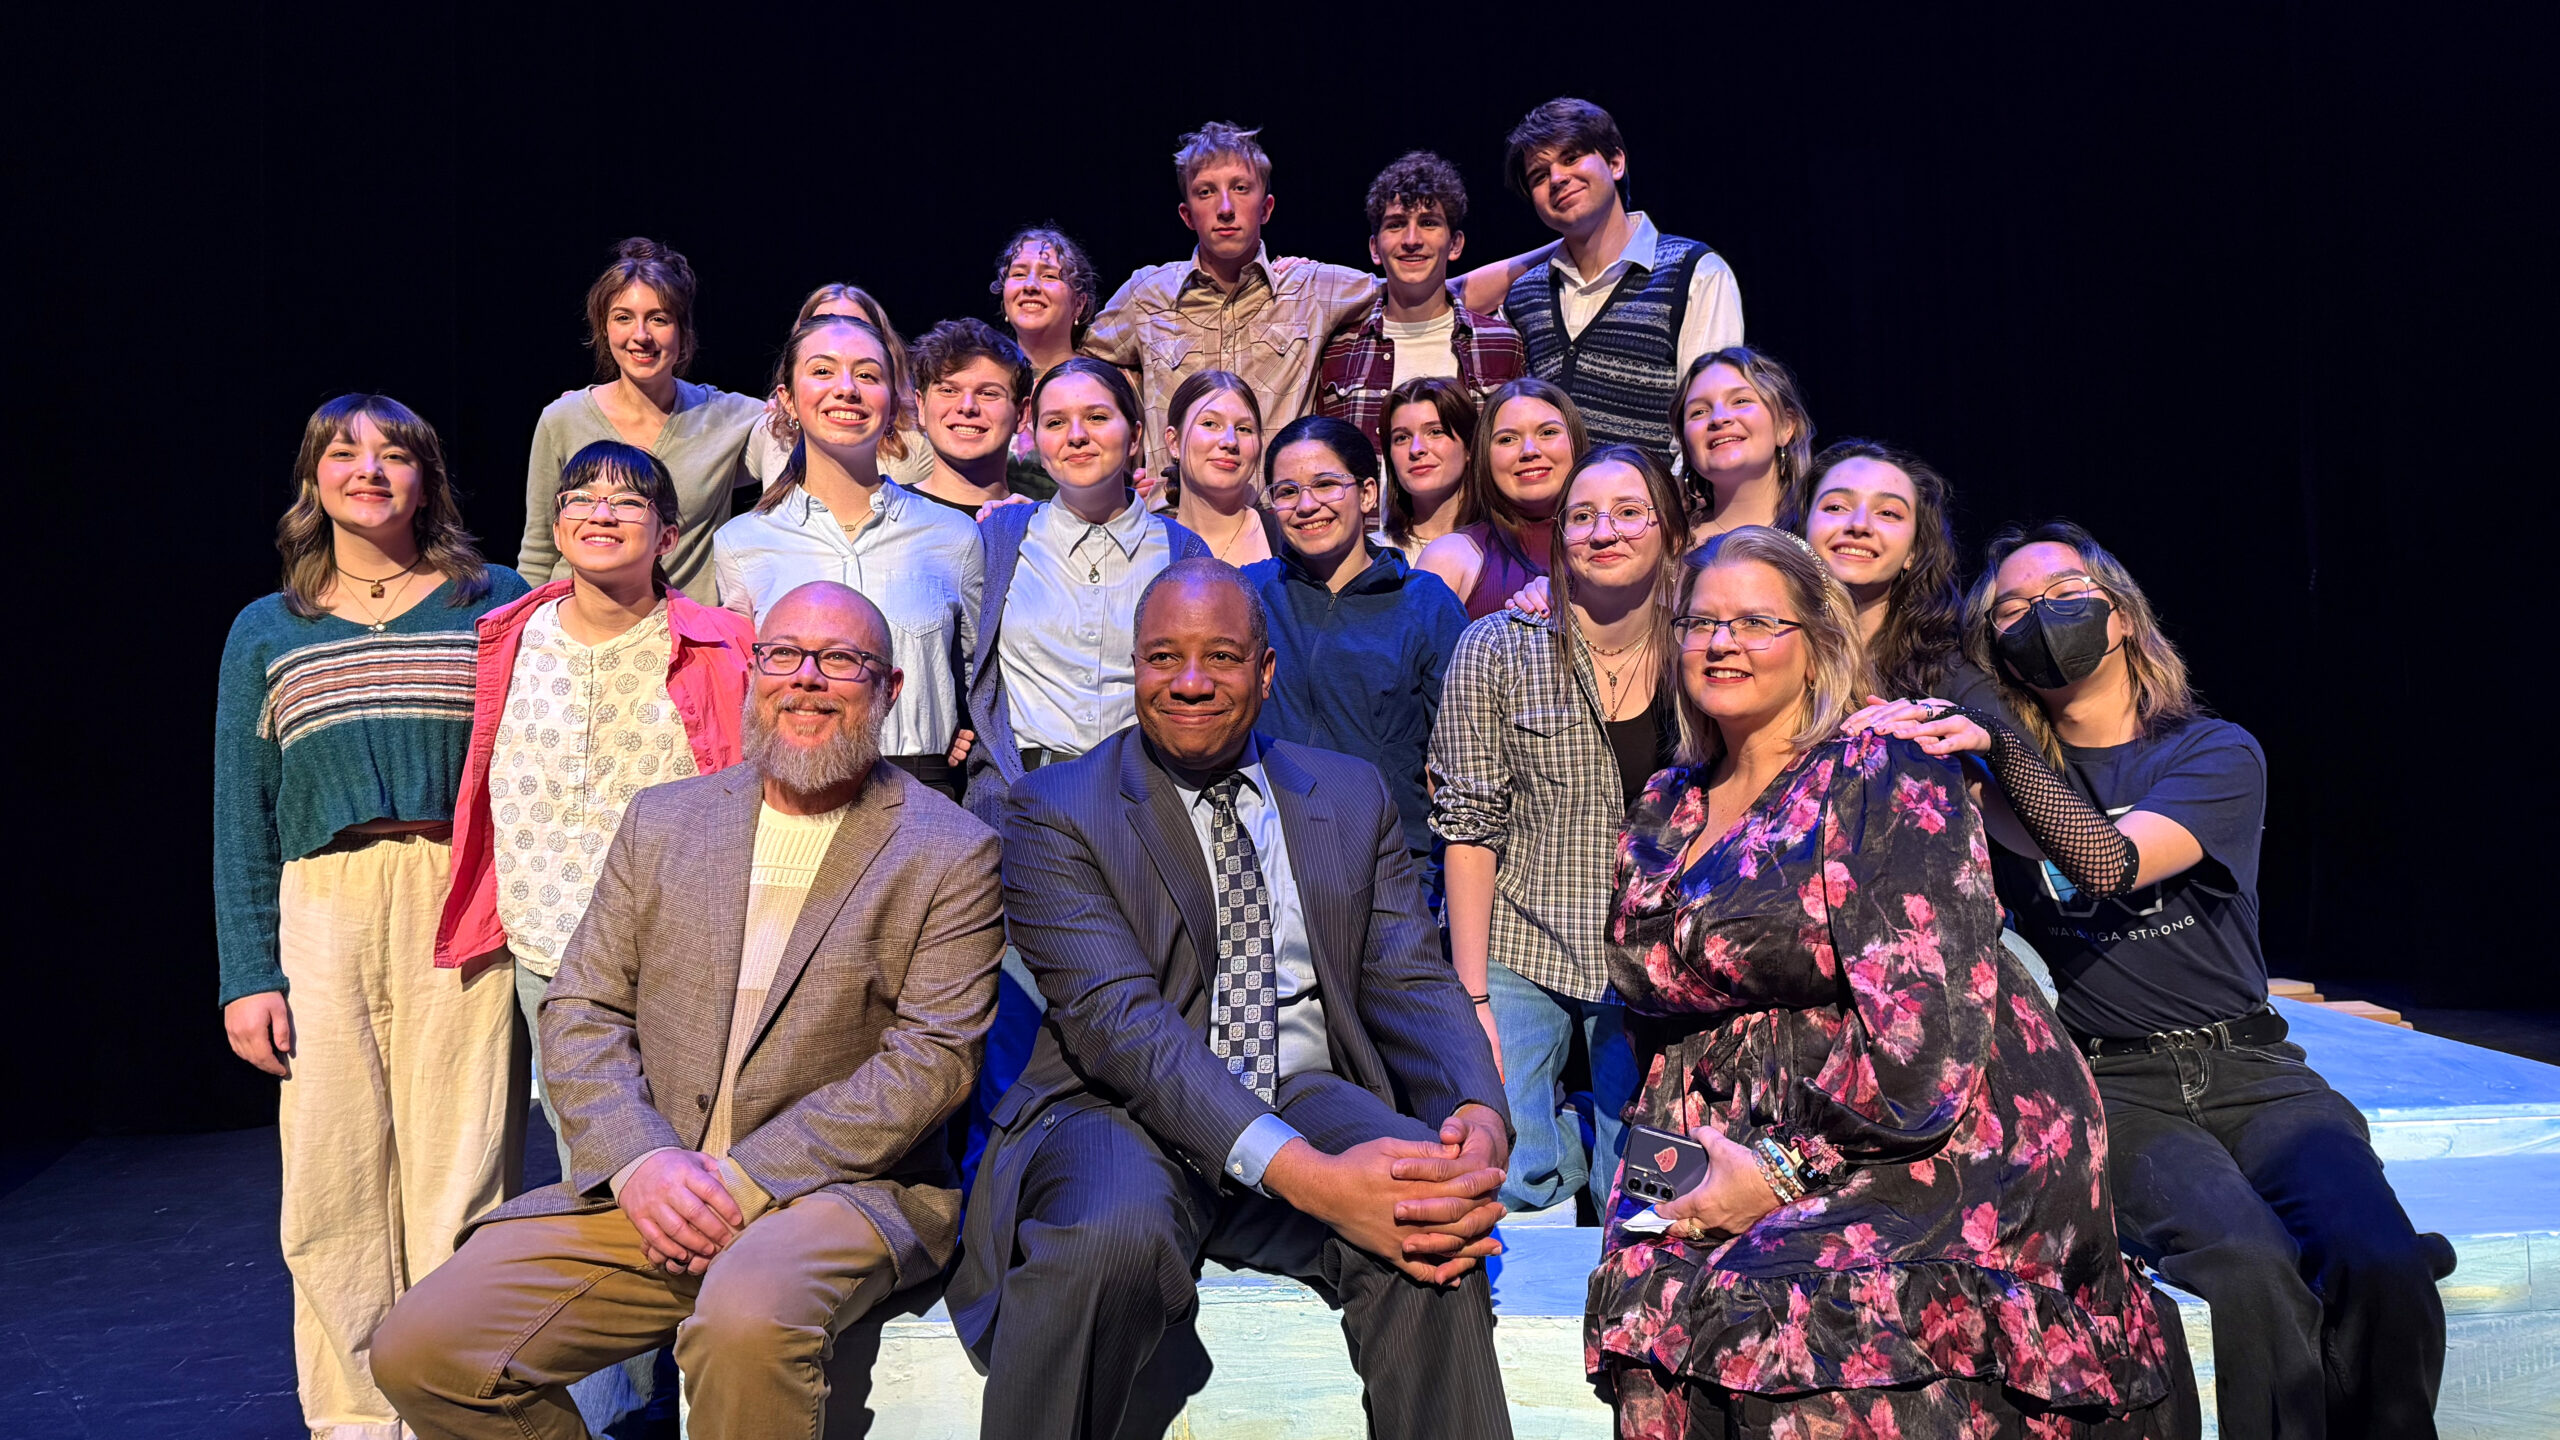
<point>1359,367</point>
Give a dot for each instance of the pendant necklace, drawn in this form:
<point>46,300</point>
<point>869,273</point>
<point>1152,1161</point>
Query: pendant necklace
<point>409,569</point>
<point>1612,676</point>
<point>376,622</point>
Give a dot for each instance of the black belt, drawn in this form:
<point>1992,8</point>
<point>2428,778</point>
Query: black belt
<point>1033,757</point>
<point>931,770</point>
<point>2264,1028</point>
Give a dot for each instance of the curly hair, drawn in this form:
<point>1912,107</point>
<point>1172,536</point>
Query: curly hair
<point>1921,634</point>
<point>1074,267</point>
<point>949,347</point>
<point>307,538</point>
<point>1416,180</point>
<point>642,261</point>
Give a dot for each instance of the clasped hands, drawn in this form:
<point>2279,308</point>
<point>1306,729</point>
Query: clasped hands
<point>683,1210</point>
<point>1426,1207</point>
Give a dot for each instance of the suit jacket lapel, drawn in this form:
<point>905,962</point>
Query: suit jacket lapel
<point>1317,856</point>
<point>858,841</point>
<point>1155,812</point>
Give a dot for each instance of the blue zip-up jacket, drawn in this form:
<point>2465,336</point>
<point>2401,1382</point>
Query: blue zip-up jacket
<point>1359,671</point>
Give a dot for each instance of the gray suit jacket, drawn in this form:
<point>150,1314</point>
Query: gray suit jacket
<point>870,1034</point>
<point>995,760</point>
<point>1113,909</point>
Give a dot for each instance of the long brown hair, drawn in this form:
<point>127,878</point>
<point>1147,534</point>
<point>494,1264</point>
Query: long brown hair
<point>902,397</point>
<point>1188,396</point>
<point>307,538</point>
<point>1776,386</point>
<point>642,261</point>
<point>796,469</point>
<point>1838,664</point>
<point>1664,494</point>
<point>1457,411</point>
<point>2162,698</point>
<point>1482,492</point>
<point>1923,609</point>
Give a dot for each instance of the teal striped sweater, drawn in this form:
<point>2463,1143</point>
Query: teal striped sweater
<point>322,724</point>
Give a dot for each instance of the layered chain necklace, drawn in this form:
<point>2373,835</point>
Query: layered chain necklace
<point>1614,678</point>
<point>376,620</point>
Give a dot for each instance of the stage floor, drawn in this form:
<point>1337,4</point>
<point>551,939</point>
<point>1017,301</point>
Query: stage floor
<point>142,1294</point>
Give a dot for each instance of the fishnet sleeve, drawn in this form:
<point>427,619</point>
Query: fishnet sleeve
<point>2083,844</point>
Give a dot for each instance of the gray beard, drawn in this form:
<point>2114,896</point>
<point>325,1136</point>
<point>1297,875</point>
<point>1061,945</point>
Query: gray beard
<point>846,756</point>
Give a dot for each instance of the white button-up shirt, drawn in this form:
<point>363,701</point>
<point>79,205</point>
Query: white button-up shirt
<point>919,562</point>
<point>1712,321</point>
<point>1070,617</point>
<point>585,728</point>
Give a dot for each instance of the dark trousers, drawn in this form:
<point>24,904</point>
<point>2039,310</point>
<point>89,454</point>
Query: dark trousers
<point>1107,1248</point>
<point>934,771</point>
<point>2240,1175</point>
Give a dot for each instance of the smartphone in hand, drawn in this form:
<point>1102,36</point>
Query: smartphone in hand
<point>1661,1165</point>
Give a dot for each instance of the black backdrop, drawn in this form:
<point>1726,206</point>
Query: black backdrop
<point>2240,288</point>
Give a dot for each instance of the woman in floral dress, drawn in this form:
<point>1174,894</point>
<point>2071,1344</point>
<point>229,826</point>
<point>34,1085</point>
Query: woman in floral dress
<point>1905,1229</point>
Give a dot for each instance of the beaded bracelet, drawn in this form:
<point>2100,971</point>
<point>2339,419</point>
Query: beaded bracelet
<point>1781,1169</point>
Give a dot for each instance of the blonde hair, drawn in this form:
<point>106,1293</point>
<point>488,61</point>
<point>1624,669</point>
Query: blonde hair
<point>1219,140</point>
<point>1838,663</point>
<point>2162,698</point>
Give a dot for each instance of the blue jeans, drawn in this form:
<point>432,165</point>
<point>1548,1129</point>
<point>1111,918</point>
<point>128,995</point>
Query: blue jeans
<point>1566,1141</point>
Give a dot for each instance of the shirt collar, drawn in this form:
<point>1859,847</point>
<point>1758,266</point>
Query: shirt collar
<point>1128,529</point>
<point>1248,765</point>
<point>1376,324</point>
<point>1261,261</point>
<point>889,502</point>
<point>1642,240</point>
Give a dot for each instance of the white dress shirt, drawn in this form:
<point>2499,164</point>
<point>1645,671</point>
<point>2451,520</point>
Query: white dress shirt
<point>1712,322</point>
<point>919,562</point>
<point>1070,681</point>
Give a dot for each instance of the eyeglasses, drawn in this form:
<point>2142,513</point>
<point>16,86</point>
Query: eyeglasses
<point>1627,520</point>
<point>1328,489</point>
<point>786,660</point>
<point>2063,588</point>
<point>579,505</point>
<point>1751,632</point>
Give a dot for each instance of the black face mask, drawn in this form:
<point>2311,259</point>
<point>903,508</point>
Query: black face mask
<point>2056,643</point>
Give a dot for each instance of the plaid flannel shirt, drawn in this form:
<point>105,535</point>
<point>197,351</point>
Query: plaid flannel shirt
<point>1359,370</point>
<point>1521,765</point>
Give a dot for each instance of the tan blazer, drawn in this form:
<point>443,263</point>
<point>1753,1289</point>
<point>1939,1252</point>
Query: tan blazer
<point>870,1034</point>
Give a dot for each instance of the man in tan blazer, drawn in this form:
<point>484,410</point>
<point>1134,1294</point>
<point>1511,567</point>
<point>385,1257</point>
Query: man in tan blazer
<point>776,999</point>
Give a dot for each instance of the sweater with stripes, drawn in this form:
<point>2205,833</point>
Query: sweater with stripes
<point>322,724</point>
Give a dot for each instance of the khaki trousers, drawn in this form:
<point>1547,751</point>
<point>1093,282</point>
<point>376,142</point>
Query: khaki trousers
<point>486,1348</point>
<point>396,1125</point>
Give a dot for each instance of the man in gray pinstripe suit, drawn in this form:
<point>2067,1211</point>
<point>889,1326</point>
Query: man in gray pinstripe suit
<point>1253,1050</point>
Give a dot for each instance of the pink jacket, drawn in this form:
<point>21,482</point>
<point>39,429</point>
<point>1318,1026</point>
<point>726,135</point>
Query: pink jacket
<point>707,679</point>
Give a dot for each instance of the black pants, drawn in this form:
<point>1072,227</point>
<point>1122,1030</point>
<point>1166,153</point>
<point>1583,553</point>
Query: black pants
<point>2240,1175</point>
<point>1109,1242</point>
<point>932,770</point>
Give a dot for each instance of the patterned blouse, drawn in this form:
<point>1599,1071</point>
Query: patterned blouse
<point>1830,972</point>
<point>586,728</point>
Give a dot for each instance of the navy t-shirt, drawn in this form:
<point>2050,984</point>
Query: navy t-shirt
<point>2175,955</point>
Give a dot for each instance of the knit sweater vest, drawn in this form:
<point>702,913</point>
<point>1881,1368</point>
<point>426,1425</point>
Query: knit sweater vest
<point>1623,369</point>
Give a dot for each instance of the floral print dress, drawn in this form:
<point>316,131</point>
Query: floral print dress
<point>1830,973</point>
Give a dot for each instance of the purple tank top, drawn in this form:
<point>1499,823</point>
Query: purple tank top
<point>1505,568</point>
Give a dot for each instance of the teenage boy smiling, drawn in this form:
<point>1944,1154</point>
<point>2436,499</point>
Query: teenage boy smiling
<point>1417,217</point>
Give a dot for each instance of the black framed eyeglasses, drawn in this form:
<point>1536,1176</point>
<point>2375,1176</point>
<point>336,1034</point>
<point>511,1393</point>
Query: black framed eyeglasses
<point>2061,590</point>
<point>625,507</point>
<point>1751,632</point>
<point>781,661</point>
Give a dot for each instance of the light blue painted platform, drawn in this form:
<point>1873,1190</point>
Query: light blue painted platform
<point>2471,1139</point>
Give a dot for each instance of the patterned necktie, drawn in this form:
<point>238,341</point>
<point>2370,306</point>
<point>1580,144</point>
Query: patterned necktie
<point>1244,1013</point>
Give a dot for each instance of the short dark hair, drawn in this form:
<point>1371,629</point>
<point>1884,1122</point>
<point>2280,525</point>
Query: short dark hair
<point>635,470</point>
<point>1457,411</point>
<point>1333,433</point>
<point>953,344</point>
<point>1418,179</point>
<point>1210,568</point>
<point>642,261</point>
<point>1565,125</point>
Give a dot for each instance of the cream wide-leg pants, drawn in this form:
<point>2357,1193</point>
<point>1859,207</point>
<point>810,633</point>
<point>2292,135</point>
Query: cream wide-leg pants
<point>396,1125</point>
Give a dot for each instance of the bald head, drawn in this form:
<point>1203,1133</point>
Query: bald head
<point>824,615</point>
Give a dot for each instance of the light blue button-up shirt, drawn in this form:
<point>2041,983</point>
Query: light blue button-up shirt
<point>1301,1024</point>
<point>919,562</point>
<point>1070,615</point>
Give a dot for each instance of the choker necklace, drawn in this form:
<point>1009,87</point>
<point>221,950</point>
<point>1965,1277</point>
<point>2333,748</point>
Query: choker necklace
<point>377,585</point>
